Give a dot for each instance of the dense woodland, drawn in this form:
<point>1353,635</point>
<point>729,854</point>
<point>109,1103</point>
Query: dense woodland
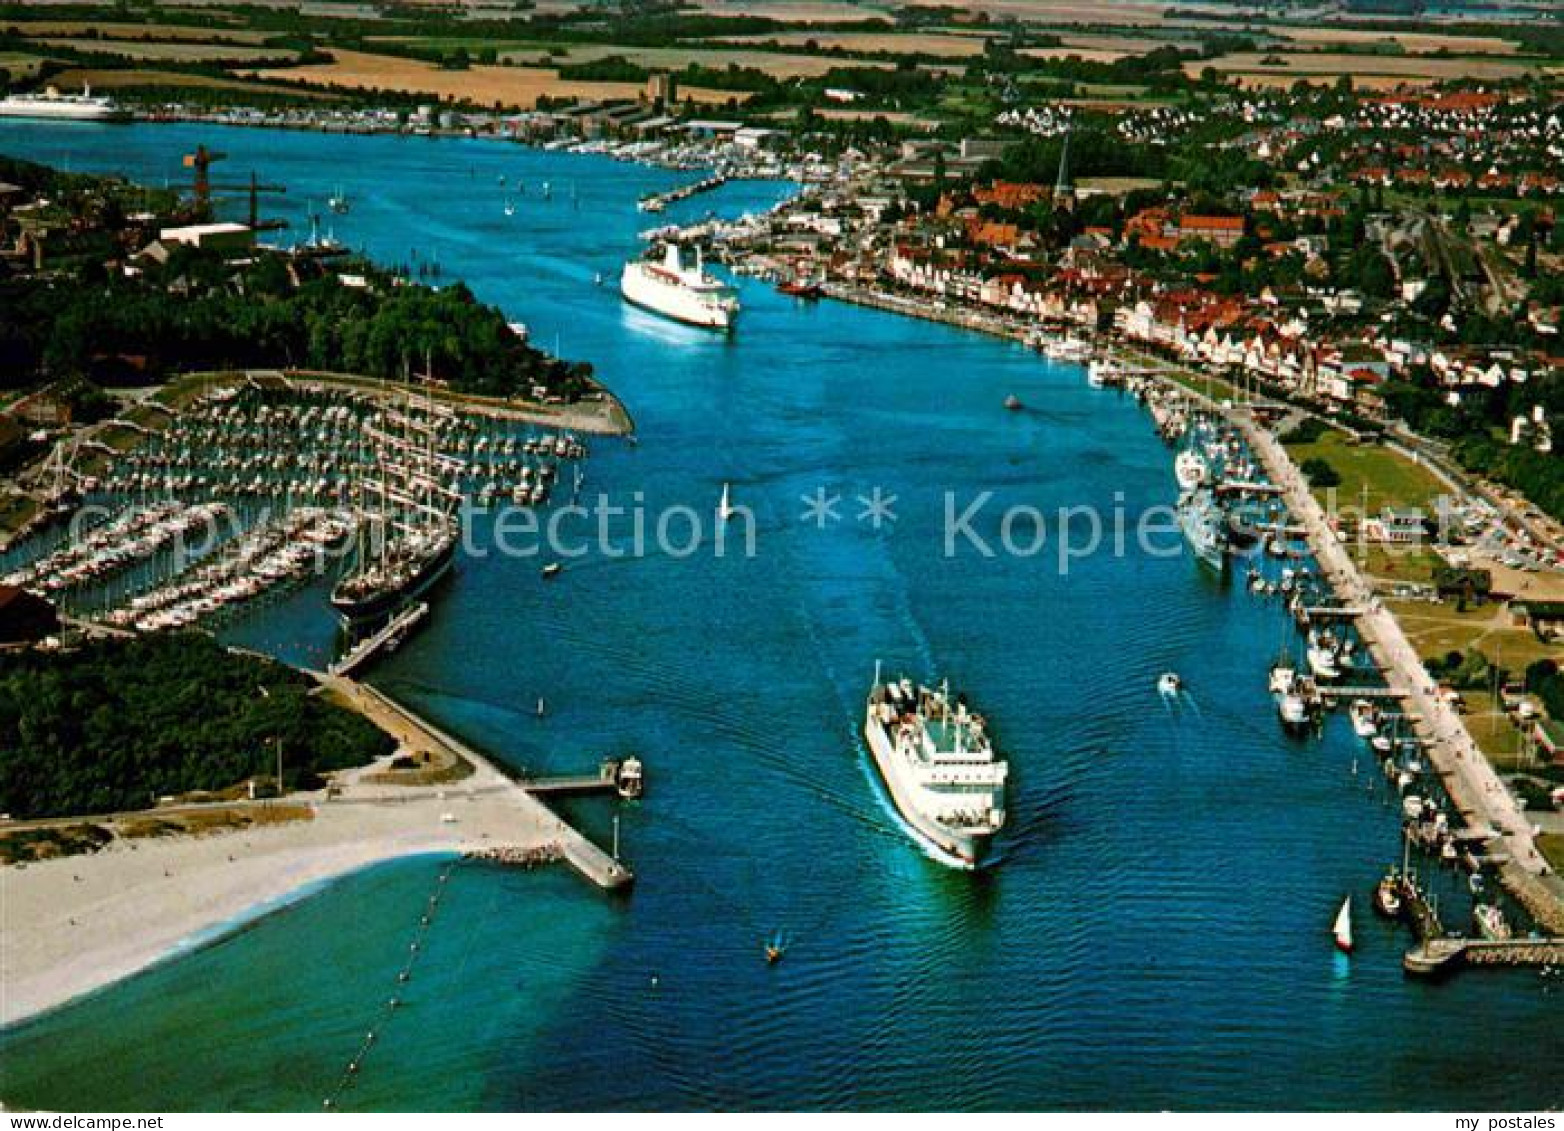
<point>195,312</point>
<point>119,723</point>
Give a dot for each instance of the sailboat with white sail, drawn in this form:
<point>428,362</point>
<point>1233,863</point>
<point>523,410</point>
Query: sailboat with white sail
<point>1342,929</point>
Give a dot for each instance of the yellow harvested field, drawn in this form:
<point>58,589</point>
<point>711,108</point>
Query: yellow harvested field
<point>1296,64</point>
<point>517,87</point>
<point>900,117</point>
<point>174,52</point>
<point>773,63</point>
<point>1129,13</point>
<point>1131,43</point>
<point>1091,55</point>
<point>1285,81</point>
<point>19,65</point>
<point>77,78</point>
<point>141,31</point>
<point>913,43</point>
<point>793,11</point>
<point>1417,42</point>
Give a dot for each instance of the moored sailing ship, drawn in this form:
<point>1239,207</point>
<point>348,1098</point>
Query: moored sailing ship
<point>406,517</point>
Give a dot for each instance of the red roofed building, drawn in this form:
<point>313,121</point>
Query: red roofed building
<point>1010,194</point>
<point>1224,231</point>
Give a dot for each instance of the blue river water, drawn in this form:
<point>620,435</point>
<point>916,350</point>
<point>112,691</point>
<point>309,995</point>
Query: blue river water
<point>1157,933</point>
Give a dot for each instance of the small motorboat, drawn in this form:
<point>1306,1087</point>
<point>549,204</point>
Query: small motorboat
<point>1387,896</point>
<point>1169,684</point>
<point>1363,718</point>
<point>776,947</point>
<point>1491,923</point>
<point>552,569</point>
<point>1342,930</point>
<point>798,288</point>
<point>1013,403</point>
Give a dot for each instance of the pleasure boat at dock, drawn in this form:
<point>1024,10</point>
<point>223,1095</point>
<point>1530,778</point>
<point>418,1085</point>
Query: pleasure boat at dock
<point>1322,657</point>
<point>1491,922</point>
<point>1365,721</point>
<point>685,293</point>
<point>939,765</point>
<point>1190,469</point>
<point>1201,519</point>
<point>1296,697</point>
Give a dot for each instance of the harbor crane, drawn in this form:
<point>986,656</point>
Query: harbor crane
<point>202,161</point>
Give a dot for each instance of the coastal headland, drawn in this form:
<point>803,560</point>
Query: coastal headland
<point>74,924</point>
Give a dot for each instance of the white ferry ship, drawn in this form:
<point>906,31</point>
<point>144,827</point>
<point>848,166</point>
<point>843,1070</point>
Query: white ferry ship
<point>684,293</point>
<point>52,105</point>
<point>938,764</point>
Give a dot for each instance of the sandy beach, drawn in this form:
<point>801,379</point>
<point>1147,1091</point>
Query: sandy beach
<point>72,925</point>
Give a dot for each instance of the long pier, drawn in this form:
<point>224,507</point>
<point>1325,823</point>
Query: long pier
<point>600,867</point>
<point>1441,956</point>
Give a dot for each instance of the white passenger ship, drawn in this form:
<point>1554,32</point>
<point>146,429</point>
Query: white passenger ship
<point>686,293</point>
<point>936,759</point>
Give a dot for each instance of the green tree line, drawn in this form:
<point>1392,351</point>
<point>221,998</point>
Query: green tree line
<point>118,723</point>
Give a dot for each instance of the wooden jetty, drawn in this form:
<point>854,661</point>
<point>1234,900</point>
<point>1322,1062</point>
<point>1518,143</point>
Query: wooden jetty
<point>606,780</point>
<point>1329,612</point>
<point>1337,692</point>
<point>602,868</point>
<point>1246,487</point>
<point>388,637</point>
<point>1441,956</point>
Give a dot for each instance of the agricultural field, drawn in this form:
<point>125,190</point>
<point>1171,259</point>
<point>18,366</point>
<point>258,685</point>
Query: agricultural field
<point>523,52</point>
<point>183,52</point>
<point>514,87</point>
<point>792,11</point>
<point>1412,42</point>
<point>1291,65</point>
<point>19,65</point>
<point>160,32</point>
<point>138,77</point>
<point>895,43</point>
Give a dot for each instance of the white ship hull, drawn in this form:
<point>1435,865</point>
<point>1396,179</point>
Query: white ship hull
<point>51,110</point>
<point>958,848</point>
<point>644,285</point>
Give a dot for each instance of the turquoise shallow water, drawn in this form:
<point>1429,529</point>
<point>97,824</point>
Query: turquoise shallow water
<point>1157,933</point>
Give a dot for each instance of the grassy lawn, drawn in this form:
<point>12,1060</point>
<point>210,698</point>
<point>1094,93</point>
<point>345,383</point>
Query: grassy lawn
<point>1371,475</point>
<point>1551,845</point>
<point>1409,564</point>
<point>15,512</point>
<point>1494,733</point>
<point>1438,629</point>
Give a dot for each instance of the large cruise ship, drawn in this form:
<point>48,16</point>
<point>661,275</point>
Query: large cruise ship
<point>685,293</point>
<point>938,763</point>
<point>51,104</point>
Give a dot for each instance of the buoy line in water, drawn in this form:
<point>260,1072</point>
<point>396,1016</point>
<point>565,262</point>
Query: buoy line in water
<point>354,1066</point>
